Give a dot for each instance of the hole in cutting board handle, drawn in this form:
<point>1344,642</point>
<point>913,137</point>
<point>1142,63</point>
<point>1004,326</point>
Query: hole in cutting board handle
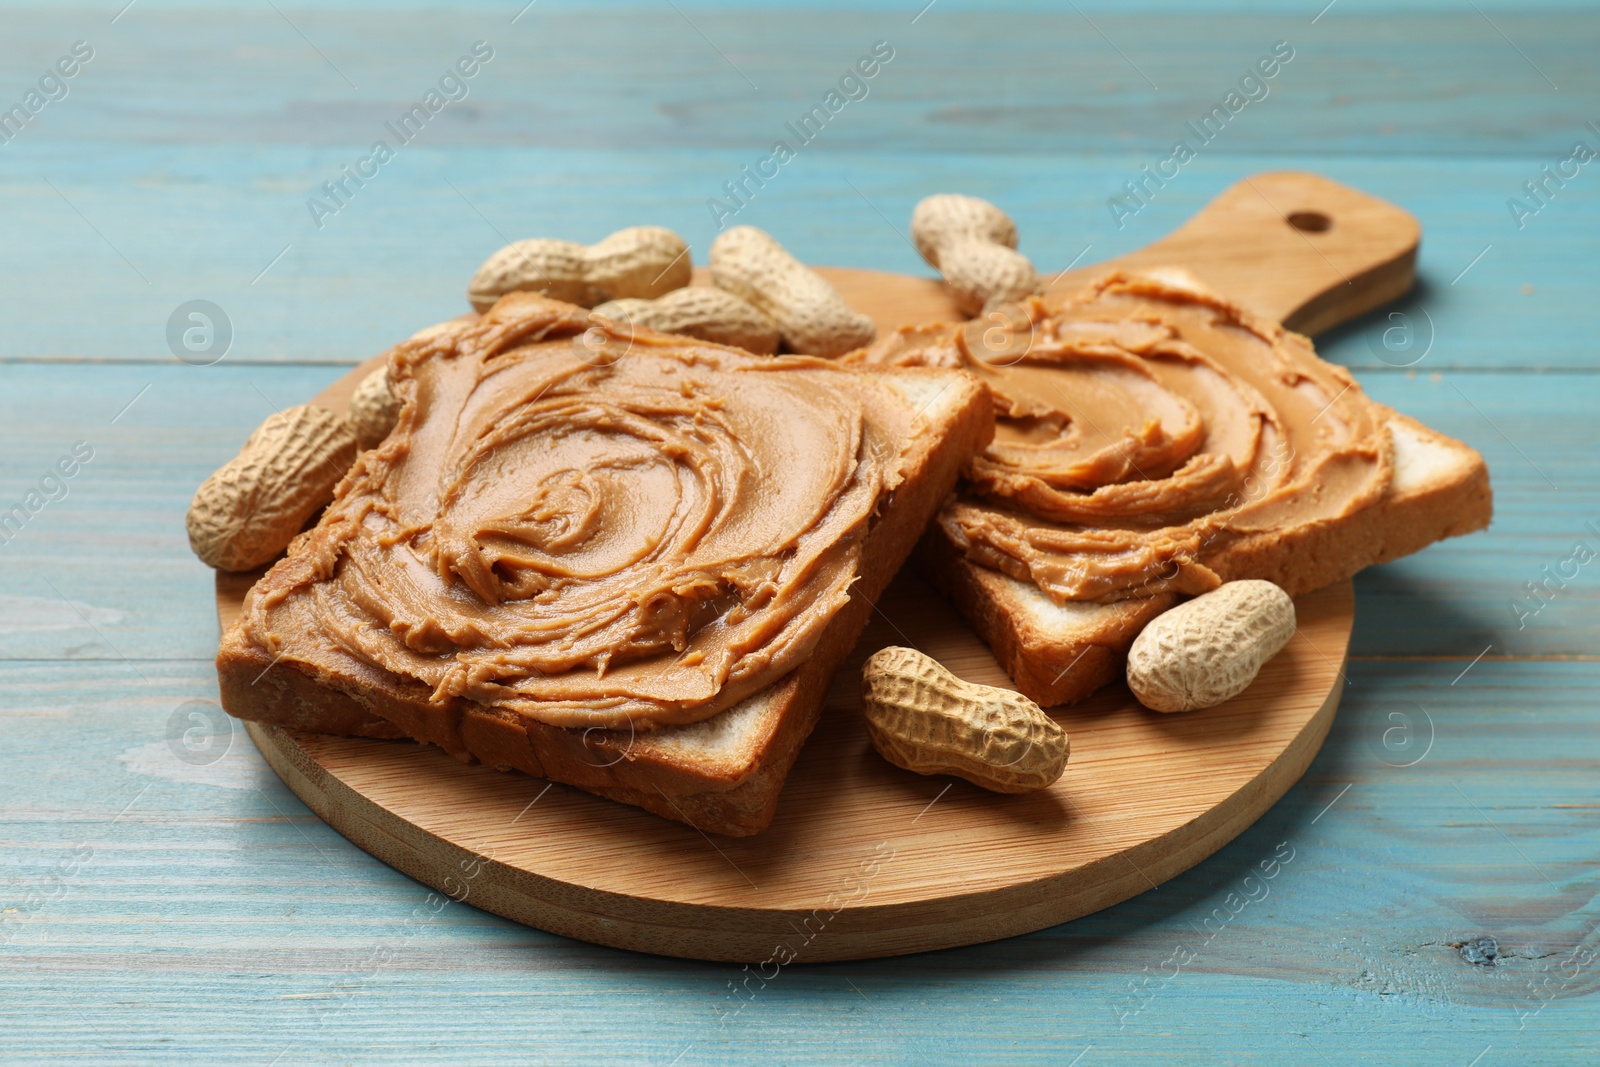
<point>1310,221</point>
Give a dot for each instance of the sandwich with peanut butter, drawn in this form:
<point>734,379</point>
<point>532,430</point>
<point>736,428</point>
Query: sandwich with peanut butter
<point>1154,440</point>
<point>622,560</point>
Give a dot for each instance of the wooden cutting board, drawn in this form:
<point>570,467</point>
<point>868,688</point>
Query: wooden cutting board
<point>865,859</point>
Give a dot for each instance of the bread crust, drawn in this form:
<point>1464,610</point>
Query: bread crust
<point>735,795</point>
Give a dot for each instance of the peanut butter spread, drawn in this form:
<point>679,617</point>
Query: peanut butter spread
<point>1144,425</point>
<point>591,529</point>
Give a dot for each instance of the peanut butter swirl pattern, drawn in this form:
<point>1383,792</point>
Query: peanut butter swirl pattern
<point>590,529</point>
<point>1143,426</point>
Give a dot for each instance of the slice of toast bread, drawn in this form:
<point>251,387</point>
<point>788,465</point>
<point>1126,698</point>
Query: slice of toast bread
<point>1061,649</point>
<point>1061,653</point>
<point>722,774</point>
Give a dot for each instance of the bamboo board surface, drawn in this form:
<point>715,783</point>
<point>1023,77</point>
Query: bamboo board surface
<point>849,869</point>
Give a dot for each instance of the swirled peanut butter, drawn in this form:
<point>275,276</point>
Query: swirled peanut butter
<point>1145,425</point>
<point>592,529</point>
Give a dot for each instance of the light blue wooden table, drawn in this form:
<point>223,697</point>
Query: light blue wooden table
<point>1440,906</point>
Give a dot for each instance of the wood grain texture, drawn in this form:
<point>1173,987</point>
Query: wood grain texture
<point>211,237</point>
<point>183,903</point>
<point>176,942</point>
<point>846,871</point>
<point>1059,79</point>
<point>201,192</point>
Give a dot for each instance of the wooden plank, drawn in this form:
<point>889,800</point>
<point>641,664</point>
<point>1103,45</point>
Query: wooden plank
<point>348,290</point>
<point>708,76</point>
<point>105,571</point>
<point>216,881</point>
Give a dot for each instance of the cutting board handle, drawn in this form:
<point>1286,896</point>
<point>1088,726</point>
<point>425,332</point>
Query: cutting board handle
<point>1307,251</point>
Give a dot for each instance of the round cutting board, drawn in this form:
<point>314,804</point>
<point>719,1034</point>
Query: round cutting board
<point>865,859</point>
